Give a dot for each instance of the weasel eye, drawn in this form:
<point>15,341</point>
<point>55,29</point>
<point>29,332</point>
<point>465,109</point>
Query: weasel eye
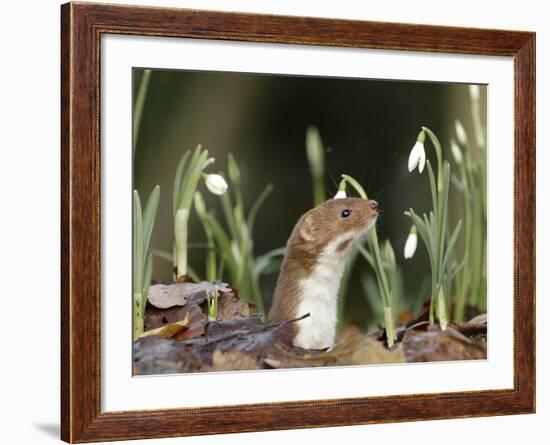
<point>345,213</point>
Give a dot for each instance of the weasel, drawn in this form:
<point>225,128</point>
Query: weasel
<point>315,257</point>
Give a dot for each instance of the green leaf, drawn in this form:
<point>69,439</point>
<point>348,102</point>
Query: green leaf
<point>367,256</point>
<point>372,294</point>
<point>437,146</point>
<point>451,243</point>
<point>189,184</point>
<point>223,242</point>
<point>256,206</point>
<point>138,104</point>
<point>423,231</point>
<point>433,189</point>
<point>147,276</point>
<point>358,188</point>
<point>184,185</point>
<point>233,169</point>
<point>193,274</point>
<point>227,207</point>
<point>456,268</point>
<point>177,182</point>
<point>138,242</point>
<point>163,254</point>
<point>149,216</point>
<point>444,211</point>
<point>264,261</point>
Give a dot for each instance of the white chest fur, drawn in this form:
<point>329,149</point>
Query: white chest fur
<point>319,298</point>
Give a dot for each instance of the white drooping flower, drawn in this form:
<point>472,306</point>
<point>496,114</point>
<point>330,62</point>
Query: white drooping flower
<point>411,243</point>
<point>474,92</point>
<point>341,190</point>
<point>340,194</point>
<point>460,133</point>
<point>456,152</point>
<point>216,184</point>
<point>418,154</point>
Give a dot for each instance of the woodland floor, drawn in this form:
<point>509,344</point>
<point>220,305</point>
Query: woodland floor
<point>179,338</point>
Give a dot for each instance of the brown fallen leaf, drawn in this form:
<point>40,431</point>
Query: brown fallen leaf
<point>164,296</point>
<point>476,327</point>
<point>170,330</point>
<point>480,319</point>
<point>156,318</point>
<point>437,345</point>
<point>348,331</point>
<point>356,349</point>
<point>249,336</point>
<point>233,361</point>
<point>231,307</point>
<point>405,317</point>
<point>157,355</point>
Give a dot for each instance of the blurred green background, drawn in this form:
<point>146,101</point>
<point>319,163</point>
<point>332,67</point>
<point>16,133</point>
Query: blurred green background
<point>367,126</point>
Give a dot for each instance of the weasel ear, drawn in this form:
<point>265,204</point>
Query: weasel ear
<point>307,231</point>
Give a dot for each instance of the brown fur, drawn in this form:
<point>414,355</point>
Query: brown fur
<point>310,236</point>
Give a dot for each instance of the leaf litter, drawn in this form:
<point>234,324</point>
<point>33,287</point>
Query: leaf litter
<point>178,337</point>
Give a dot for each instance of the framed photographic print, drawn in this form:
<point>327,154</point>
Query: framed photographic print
<point>275,222</point>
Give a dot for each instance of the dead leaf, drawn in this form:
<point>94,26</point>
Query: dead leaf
<point>164,296</point>
<point>156,355</point>
<point>480,319</point>
<point>404,317</point>
<point>437,345</point>
<point>233,361</point>
<point>231,307</point>
<point>476,327</point>
<point>356,349</point>
<point>170,330</point>
<point>155,318</point>
<point>348,331</point>
<point>249,336</point>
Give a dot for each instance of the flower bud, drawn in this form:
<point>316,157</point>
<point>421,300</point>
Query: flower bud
<point>341,190</point>
<point>233,169</point>
<point>417,157</point>
<point>456,152</point>
<point>216,184</point>
<point>460,133</point>
<point>411,243</point>
<point>474,92</point>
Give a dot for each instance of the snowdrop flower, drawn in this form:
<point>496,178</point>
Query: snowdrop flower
<point>216,184</point>
<point>455,151</point>
<point>340,194</point>
<point>341,190</point>
<point>460,133</point>
<point>410,244</point>
<point>418,154</point>
<point>474,92</point>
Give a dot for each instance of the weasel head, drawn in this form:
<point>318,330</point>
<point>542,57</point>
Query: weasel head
<point>338,223</point>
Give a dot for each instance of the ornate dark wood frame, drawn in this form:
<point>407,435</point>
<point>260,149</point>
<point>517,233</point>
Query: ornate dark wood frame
<point>81,28</point>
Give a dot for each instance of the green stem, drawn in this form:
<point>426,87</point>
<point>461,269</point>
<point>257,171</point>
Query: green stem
<point>138,105</point>
<point>138,317</point>
<point>180,232</point>
<point>438,154</point>
<point>390,326</point>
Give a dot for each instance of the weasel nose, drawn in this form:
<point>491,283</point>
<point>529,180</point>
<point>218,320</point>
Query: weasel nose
<point>374,206</point>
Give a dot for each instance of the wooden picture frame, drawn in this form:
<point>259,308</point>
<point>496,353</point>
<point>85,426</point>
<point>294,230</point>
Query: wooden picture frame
<point>82,26</point>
